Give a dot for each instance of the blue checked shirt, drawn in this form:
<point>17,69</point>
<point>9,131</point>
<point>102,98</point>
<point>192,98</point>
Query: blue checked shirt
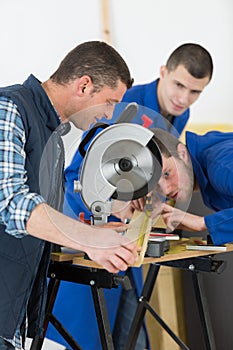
<point>16,201</point>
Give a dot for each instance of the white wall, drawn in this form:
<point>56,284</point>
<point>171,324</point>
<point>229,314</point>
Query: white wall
<point>35,36</point>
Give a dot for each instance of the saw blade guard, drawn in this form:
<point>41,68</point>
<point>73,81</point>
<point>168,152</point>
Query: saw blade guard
<point>122,162</point>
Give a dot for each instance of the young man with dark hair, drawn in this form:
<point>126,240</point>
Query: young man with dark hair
<point>204,164</point>
<point>182,79</point>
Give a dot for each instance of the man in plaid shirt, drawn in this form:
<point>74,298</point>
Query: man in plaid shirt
<point>31,114</point>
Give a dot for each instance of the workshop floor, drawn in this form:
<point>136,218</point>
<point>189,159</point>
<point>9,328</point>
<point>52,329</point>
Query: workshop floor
<point>48,345</point>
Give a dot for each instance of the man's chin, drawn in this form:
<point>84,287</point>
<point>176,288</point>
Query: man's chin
<point>182,203</point>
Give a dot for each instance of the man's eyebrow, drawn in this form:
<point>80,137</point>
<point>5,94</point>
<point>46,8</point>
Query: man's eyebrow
<point>196,91</point>
<point>112,100</point>
<point>192,90</point>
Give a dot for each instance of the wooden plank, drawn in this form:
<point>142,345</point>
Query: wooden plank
<point>140,228</point>
<point>65,256</point>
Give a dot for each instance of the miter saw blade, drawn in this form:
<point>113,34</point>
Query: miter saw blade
<point>122,162</point>
<point>129,167</point>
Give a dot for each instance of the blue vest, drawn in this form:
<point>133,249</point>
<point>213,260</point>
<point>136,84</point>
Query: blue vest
<point>24,261</point>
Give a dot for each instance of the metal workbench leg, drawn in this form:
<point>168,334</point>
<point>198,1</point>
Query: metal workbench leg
<point>53,287</point>
<point>141,309</point>
<point>166,328</point>
<point>203,311</point>
<point>102,318</point>
<point>38,341</point>
<point>61,330</point>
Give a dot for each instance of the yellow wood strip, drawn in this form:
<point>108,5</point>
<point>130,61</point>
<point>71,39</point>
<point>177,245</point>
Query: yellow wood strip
<point>140,228</point>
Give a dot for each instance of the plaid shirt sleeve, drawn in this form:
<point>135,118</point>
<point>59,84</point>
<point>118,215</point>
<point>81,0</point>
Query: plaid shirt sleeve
<point>16,201</point>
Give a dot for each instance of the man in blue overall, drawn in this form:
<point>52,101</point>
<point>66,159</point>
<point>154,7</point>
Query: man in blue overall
<point>205,164</point>
<point>187,72</point>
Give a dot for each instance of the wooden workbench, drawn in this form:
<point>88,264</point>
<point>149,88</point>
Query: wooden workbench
<point>168,287</point>
<point>177,251</point>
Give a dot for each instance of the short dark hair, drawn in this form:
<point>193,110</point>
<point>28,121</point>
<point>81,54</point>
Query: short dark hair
<point>195,58</point>
<point>166,142</point>
<point>100,61</point>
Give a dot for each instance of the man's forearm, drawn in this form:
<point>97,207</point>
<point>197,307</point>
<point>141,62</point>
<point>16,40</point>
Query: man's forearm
<point>103,245</point>
<point>50,225</point>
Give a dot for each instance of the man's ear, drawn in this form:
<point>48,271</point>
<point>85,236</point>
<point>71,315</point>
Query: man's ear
<point>183,152</point>
<point>84,84</point>
<point>163,71</point>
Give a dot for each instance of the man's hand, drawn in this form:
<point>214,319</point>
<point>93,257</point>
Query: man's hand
<point>114,252</point>
<point>117,226</point>
<point>176,218</point>
<point>103,245</point>
<point>124,210</point>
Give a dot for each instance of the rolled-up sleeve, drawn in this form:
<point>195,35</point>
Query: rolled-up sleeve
<point>16,200</point>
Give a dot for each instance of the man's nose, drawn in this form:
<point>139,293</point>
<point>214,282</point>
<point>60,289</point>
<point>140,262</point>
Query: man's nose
<point>184,97</point>
<point>163,187</point>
